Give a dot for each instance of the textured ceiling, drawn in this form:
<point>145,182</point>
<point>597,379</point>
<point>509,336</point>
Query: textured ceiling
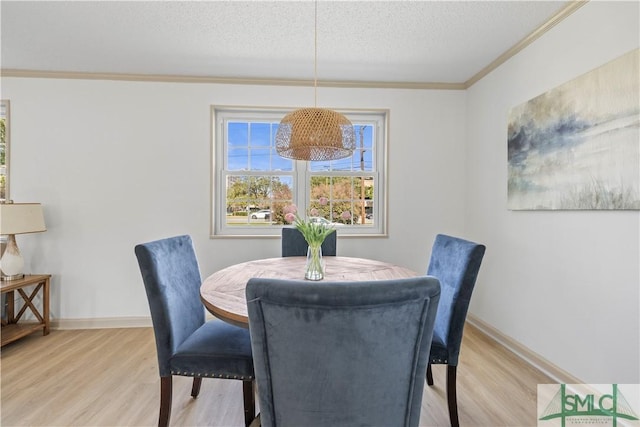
<point>375,41</point>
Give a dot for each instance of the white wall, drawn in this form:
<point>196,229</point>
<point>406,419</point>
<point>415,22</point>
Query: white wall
<point>118,163</point>
<point>563,283</point>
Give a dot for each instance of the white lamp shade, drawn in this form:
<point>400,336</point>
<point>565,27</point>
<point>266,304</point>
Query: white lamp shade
<point>20,218</point>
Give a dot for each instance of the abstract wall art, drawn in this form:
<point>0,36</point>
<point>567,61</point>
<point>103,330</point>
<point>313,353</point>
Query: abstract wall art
<point>578,146</point>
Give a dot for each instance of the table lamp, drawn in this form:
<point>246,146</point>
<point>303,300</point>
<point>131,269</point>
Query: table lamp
<point>17,218</point>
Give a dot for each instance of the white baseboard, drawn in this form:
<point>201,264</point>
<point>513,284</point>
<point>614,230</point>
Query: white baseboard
<point>102,323</point>
<point>554,372</point>
<point>106,322</point>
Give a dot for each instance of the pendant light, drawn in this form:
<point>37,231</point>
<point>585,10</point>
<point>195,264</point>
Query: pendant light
<point>315,133</point>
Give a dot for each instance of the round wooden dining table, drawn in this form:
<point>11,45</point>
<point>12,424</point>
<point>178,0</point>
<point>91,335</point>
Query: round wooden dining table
<point>223,293</point>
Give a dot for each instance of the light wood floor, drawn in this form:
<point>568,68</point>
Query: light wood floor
<point>109,377</point>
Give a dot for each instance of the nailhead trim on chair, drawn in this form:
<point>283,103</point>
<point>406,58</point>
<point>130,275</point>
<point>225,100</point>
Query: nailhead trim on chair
<point>439,361</point>
<point>229,377</point>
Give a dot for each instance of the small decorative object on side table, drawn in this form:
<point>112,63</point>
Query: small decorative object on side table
<point>11,329</point>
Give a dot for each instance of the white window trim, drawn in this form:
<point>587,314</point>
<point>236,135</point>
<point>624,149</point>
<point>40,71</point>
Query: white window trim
<point>379,118</point>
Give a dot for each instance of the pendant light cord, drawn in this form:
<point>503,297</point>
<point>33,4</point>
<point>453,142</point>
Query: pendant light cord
<point>315,57</point>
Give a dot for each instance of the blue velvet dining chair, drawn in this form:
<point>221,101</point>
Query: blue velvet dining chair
<point>341,354</point>
<point>294,244</point>
<point>455,262</point>
<point>186,344</point>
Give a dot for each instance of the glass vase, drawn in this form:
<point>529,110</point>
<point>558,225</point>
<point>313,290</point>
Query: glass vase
<point>315,265</point>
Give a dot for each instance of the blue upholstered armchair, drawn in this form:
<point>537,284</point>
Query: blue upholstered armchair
<point>455,262</point>
<point>294,244</point>
<point>341,354</point>
<point>185,343</point>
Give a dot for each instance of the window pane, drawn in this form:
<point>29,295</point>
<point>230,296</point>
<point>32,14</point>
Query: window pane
<point>238,134</point>
<point>282,195</point>
<point>365,200</point>
<point>257,200</point>
<point>362,158</point>
<point>260,134</point>
<point>367,133</point>
<point>343,164</point>
<point>260,159</point>
<point>238,159</point>
<point>280,163</point>
<point>342,199</point>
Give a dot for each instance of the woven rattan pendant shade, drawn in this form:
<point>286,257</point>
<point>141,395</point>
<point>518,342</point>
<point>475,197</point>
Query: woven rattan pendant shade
<point>315,134</point>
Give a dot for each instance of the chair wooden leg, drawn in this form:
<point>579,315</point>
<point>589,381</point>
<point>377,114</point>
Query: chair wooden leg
<point>249,393</point>
<point>429,374</point>
<point>166,384</point>
<point>452,399</point>
<point>195,389</point>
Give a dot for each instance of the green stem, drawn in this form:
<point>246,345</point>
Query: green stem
<point>314,263</point>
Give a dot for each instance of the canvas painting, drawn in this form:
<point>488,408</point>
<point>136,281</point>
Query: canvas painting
<point>578,145</point>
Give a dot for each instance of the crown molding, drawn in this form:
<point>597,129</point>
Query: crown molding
<point>534,35</point>
<point>554,20</point>
<point>227,80</point>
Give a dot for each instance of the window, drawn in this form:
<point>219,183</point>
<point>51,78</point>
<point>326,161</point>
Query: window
<point>251,183</point>
<point>4,150</point>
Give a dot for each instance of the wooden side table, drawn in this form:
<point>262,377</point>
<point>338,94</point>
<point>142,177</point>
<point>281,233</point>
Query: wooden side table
<point>11,329</point>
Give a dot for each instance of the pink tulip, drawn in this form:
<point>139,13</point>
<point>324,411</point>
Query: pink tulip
<point>323,201</point>
<point>290,209</point>
<point>313,212</point>
<point>289,217</point>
